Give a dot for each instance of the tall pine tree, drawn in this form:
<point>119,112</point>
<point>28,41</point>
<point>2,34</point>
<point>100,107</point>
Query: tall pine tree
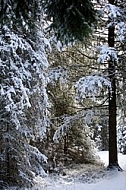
<point>23,97</point>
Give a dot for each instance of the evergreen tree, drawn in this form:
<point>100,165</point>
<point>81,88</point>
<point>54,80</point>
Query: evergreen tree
<point>70,20</point>
<point>23,97</point>
<point>110,54</point>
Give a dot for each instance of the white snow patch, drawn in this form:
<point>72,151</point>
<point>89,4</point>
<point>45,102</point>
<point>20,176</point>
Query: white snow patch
<point>112,180</point>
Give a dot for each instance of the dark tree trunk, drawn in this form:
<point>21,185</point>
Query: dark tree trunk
<point>113,158</point>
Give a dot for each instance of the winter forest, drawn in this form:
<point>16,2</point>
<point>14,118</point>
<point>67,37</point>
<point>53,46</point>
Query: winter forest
<point>62,86</point>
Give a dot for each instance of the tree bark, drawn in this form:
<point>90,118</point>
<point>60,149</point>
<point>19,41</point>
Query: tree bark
<point>113,158</point>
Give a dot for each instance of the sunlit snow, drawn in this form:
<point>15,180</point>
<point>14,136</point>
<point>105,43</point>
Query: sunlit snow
<point>108,180</point>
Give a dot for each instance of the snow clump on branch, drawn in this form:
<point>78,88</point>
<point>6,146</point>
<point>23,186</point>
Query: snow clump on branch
<point>90,86</point>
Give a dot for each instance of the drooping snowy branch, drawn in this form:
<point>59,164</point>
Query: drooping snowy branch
<point>106,54</point>
<point>113,11</point>
<point>91,86</point>
<point>67,122</point>
<point>88,117</point>
<point>121,31</point>
<point>65,126</point>
<point>57,74</point>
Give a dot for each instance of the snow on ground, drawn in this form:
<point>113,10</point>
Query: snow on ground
<point>121,159</point>
<point>88,178</point>
<point>85,177</point>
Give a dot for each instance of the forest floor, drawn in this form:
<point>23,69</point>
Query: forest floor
<point>85,177</point>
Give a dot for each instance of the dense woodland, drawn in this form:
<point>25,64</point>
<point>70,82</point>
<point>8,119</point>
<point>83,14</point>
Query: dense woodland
<point>62,85</point>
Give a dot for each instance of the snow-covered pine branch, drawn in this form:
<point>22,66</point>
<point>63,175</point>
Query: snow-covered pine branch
<point>117,17</point>
<point>67,122</point>
<point>106,54</point>
<point>112,11</point>
<point>22,71</point>
<point>91,86</point>
<point>57,74</point>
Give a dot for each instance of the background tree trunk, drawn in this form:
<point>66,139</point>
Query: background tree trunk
<point>113,158</point>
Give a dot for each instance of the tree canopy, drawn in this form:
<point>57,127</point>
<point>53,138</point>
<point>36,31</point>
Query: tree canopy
<point>70,20</point>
